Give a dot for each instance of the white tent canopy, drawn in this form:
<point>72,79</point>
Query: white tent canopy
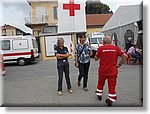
<point>123,16</point>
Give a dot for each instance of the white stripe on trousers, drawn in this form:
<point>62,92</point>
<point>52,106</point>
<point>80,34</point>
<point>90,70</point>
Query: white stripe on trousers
<point>112,95</point>
<point>99,90</point>
<point>113,100</point>
<point>99,94</point>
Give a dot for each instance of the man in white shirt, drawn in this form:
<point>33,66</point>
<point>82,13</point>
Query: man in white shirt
<point>132,52</point>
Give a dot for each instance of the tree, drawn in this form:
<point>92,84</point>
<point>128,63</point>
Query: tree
<point>96,7</point>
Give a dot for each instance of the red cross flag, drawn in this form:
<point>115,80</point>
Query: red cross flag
<point>71,16</point>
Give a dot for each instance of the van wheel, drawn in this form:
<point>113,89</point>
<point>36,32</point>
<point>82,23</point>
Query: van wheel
<point>21,62</point>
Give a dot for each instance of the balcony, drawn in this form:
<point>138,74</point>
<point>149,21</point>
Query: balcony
<point>33,21</point>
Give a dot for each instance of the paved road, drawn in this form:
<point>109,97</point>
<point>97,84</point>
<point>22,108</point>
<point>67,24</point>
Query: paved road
<point>36,85</point>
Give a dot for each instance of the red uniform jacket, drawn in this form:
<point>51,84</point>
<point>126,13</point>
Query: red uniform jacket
<point>108,55</point>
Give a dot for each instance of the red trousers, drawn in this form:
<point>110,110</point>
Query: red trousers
<point>111,80</point>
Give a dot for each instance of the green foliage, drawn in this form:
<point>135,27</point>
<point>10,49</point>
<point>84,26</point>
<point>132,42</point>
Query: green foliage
<point>96,7</point>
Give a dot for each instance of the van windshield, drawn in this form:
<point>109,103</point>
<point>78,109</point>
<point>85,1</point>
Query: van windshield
<point>96,40</point>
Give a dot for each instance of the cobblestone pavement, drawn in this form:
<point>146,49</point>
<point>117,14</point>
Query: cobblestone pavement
<point>36,85</point>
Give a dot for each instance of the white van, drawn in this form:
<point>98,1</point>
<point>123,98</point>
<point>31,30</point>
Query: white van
<point>95,40</point>
<point>20,49</point>
<point>2,68</point>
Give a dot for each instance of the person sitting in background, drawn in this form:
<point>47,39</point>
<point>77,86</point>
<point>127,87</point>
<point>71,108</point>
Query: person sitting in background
<point>134,54</point>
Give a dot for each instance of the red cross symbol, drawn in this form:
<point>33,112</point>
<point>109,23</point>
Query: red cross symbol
<point>71,7</point>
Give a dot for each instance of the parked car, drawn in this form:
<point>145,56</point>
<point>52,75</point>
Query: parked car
<point>95,40</point>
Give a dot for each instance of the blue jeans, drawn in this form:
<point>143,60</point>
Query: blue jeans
<point>136,57</point>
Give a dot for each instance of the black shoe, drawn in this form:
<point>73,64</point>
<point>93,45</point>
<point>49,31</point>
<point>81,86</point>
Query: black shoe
<point>108,102</point>
<point>86,89</point>
<point>99,98</point>
<point>79,84</point>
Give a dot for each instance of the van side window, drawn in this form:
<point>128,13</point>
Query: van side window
<point>6,45</point>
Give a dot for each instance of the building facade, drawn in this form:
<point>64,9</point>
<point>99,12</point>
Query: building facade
<point>8,30</point>
<point>43,16</point>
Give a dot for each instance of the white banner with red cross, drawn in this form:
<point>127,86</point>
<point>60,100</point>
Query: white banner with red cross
<point>71,16</point>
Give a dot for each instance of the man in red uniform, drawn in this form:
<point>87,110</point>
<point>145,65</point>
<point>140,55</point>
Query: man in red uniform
<point>108,55</point>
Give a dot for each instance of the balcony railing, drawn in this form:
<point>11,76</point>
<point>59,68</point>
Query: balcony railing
<point>36,20</point>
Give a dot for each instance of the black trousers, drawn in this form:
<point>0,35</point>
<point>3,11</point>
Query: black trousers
<point>83,73</point>
<point>63,67</point>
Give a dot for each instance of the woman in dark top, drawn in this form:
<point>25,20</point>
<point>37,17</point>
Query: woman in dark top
<point>62,55</point>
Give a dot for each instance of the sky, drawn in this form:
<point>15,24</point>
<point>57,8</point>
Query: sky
<point>14,11</point>
<point>115,4</point>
